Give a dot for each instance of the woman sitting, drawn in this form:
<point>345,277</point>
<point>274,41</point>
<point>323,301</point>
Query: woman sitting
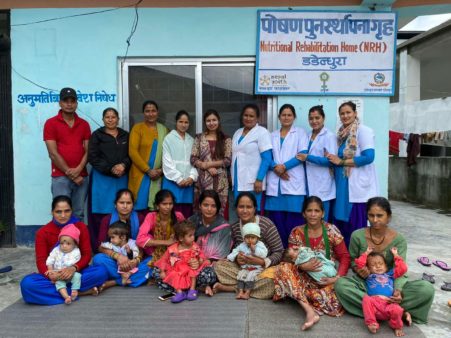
<point>40,289</point>
<point>114,261</point>
<point>295,282</point>
<point>156,233</point>
<point>415,297</point>
<point>212,235</point>
<point>246,207</point>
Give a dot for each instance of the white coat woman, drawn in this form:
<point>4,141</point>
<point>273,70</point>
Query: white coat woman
<point>251,155</point>
<point>286,186</point>
<point>355,173</point>
<point>319,171</point>
<point>179,174</point>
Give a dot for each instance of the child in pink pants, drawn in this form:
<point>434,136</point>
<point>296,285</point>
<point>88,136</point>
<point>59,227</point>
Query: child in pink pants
<point>379,284</point>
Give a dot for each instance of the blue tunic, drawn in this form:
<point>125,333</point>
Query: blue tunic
<point>264,165</point>
<point>343,207</point>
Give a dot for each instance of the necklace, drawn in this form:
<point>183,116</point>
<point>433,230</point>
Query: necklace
<point>372,239</point>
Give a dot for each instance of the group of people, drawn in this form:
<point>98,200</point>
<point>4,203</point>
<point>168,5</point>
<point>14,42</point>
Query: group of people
<point>159,210</point>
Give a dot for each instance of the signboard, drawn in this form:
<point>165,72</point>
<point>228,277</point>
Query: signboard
<point>325,53</point>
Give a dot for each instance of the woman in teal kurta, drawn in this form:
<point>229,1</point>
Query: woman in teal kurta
<point>414,297</point>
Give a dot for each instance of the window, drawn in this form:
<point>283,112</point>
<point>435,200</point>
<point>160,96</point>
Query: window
<point>225,85</point>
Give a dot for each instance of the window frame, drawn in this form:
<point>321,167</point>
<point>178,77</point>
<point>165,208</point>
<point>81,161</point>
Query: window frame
<point>198,63</point>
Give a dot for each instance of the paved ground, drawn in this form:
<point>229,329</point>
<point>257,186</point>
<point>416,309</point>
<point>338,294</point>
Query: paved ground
<point>428,233</point>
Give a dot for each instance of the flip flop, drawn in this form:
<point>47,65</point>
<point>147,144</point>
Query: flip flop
<point>428,278</point>
<point>442,265</point>
<point>424,261</point>
<point>6,269</point>
<point>446,286</point>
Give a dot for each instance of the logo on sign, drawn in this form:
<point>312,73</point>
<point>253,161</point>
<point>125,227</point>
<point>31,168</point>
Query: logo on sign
<point>379,79</point>
<point>265,80</point>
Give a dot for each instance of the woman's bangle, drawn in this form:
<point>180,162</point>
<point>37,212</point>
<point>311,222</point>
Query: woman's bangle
<point>342,162</point>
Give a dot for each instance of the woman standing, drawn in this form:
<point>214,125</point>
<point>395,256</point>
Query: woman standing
<point>285,185</point>
<point>414,297</point>
<point>251,155</point>
<point>179,174</point>
<point>355,173</point>
<point>108,155</point>
<point>110,260</point>
<point>294,281</point>
<point>319,171</point>
<point>37,288</point>
<point>145,151</point>
<point>226,271</point>
<point>211,155</point>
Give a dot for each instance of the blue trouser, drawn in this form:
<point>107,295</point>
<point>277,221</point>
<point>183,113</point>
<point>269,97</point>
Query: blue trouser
<point>37,289</point>
<point>62,185</point>
<point>75,281</point>
<point>137,279</point>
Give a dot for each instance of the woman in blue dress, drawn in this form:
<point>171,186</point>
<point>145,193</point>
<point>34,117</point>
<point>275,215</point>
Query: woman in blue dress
<point>355,173</point>
<point>286,186</point>
<point>319,171</point>
<point>108,155</point>
<point>251,155</point>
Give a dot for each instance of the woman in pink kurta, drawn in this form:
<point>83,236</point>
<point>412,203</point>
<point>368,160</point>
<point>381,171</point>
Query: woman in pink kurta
<point>157,233</point>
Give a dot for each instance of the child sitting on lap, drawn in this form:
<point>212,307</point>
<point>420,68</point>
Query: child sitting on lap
<point>65,255</point>
<point>379,286</point>
<point>249,272</point>
<point>122,244</point>
<point>303,254</point>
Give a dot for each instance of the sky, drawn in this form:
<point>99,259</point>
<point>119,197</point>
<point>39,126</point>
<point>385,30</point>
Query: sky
<point>426,22</point>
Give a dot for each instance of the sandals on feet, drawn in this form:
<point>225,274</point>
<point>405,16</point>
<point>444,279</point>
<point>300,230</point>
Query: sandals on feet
<point>179,297</point>
<point>428,278</point>
<point>191,295</point>
<point>424,261</point>
<point>442,265</point>
<point>446,286</point>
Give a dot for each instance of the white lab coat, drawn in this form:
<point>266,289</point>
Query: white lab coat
<point>176,157</point>
<point>247,155</point>
<point>295,141</point>
<point>320,180</point>
<point>363,183</point>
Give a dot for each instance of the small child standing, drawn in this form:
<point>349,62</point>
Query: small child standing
<point>121,243</point>
<point>251,246</point>
<point>65,255</point>
<point>174,265</point>
<point>303,254</point>
<point>380,287</point>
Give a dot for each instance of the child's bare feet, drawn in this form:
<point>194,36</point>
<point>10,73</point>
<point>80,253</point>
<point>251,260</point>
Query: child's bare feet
<point>67,300</point>
<point>218,287</point>
<point>310,320</point>
<point>408,318</point>
<point>246,295</point>
<point>240,294</point>
<point>373,328</point>
<point>399,332</point>
<point>209,291</point>
<point>74,294</point>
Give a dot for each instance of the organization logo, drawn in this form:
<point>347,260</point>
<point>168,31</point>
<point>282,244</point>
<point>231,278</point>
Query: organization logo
<point>324,77</point>
<point>378,79</point>
<point>265,80</point>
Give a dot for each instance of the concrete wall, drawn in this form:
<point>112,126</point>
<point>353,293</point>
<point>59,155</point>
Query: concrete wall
<point>82,53</point>
<point>428,182</point>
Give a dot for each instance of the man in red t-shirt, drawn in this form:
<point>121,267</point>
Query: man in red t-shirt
<point>66,136</point>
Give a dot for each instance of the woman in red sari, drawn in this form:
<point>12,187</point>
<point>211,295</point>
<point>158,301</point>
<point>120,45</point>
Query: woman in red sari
<point>294,282</point>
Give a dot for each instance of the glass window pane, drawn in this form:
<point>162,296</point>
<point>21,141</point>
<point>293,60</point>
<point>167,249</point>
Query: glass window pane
<point>171,87</point>
<point>227,89</point>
